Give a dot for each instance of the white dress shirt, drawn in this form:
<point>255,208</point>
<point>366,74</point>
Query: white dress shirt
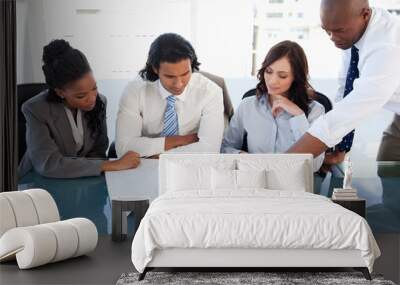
<point>140,118</point>
<point>76,127</point>
<point>378,85</point>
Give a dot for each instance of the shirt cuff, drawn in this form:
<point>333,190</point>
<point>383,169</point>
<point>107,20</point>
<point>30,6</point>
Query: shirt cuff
<point>97,167</point>
<point>320,130</point>
<point>230,150</point>
<point>299,125</point>
<point>156,146</point>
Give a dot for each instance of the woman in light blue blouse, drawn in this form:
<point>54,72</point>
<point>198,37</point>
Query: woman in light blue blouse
<point>282,110</point>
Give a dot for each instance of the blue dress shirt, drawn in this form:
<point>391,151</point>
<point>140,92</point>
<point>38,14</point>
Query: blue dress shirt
<point>266,134</point>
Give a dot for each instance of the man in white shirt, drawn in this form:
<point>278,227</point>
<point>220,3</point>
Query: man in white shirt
<point>170,107</point>
<point>370,38</point>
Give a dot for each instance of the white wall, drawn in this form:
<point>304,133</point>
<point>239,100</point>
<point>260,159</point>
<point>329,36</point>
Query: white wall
<point>116,35</point>
<point>30,40</point>
<point>222,35</point>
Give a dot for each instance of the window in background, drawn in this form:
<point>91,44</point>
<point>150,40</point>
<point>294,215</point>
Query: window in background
<point>298,20</point>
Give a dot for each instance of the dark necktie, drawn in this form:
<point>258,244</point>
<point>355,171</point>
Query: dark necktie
<point>352,74</point>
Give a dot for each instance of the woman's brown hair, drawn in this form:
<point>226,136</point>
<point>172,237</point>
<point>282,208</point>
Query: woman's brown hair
<point>300,92</point>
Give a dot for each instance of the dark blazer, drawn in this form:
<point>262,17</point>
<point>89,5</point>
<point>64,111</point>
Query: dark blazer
<point>50,144</point>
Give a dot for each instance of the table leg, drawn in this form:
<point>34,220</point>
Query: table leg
<point>139,208</point>
<point>117,220</point>
<point>119,216</point>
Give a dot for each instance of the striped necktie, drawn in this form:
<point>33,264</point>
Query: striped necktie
<point>352,74</point>
<point>170,118</point>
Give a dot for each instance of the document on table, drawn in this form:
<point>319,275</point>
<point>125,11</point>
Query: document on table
<point>134,184</point>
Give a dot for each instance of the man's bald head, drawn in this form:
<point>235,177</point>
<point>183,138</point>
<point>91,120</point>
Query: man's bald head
<point>345,21</point>
<point>350,7</point>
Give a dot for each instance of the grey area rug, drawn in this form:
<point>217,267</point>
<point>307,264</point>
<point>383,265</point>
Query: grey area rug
<point>232,278</point>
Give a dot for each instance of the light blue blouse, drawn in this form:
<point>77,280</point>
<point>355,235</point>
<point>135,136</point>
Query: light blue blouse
<point>266,134</point>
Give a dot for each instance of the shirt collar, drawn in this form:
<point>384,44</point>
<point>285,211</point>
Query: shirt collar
<point>263,101</point>
<point>165,93</point>
<point>359,44</point>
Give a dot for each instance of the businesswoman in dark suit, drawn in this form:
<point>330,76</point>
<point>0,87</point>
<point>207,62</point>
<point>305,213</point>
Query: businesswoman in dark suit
<point>66,131</point>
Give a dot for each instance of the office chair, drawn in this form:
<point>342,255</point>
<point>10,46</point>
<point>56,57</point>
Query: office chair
<point>112,152</point>
<point>24,93</point>
<point>228,107</point>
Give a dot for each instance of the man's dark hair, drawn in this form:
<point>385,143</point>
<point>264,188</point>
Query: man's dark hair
<point>170,48</point>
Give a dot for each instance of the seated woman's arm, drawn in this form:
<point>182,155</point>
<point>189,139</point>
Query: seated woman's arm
<point>45,155</point>
<point>300,124</point>
<point>233,136</point>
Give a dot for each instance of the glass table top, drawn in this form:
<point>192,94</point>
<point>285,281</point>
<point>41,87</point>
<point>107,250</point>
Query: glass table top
<point>80,197</point>
<point>88,197</point>
<point>379,184</point>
